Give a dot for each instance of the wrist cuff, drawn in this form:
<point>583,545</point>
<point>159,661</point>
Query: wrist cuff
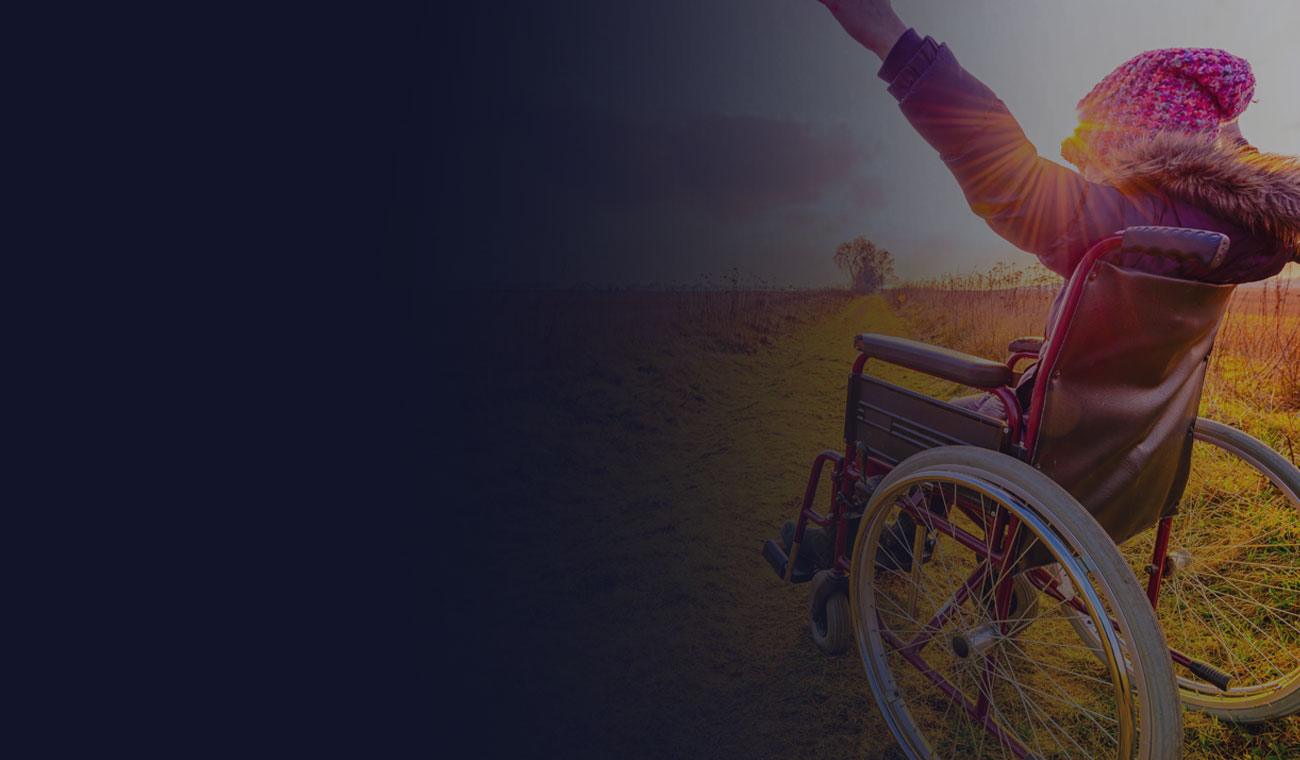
<point>899,55</point>
<point>923,55</point>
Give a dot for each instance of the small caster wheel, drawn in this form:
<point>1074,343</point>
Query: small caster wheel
<point>832,624</point>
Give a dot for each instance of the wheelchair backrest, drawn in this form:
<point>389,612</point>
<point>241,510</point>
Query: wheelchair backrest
<point>1122,372</point>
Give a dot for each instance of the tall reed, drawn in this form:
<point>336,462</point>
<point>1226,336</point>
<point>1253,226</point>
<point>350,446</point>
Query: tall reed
<point>1257,354</point>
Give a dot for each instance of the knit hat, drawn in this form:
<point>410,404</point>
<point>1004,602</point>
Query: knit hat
<point>1188,90</point>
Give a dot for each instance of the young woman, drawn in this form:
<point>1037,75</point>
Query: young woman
<point>1157,144</point>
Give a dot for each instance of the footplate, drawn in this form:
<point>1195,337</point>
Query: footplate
<point>804,568</point>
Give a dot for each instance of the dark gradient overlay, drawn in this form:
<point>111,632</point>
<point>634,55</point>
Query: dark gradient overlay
<point>603,492</point>
<point>631,394</point>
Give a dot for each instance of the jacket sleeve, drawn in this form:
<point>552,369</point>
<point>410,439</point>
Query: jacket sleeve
<point>1037,205</point>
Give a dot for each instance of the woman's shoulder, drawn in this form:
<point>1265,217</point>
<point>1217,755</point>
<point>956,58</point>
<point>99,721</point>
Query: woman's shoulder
<point>1245,189</point>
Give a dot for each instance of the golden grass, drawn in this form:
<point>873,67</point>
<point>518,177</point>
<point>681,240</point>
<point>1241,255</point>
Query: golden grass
<point>1254,385</point>
<point>634,615</point>
<point>1254,378</point>
<point>552,328</point>
<point>655,440</point>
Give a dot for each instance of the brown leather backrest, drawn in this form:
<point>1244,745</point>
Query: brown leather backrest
<point>1123,393</point>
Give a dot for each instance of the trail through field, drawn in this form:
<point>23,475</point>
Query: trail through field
<point>634,615</point>
<point>648,624</point>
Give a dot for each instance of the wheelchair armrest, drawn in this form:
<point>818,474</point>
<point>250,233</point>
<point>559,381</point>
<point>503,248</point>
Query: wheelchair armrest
<point>934,360</point>
<point>1029,344</point>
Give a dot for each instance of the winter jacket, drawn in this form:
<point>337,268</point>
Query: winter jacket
<point>1051,211</point>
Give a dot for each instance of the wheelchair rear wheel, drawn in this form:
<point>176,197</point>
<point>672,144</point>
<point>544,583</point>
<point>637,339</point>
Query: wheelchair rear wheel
<point>1232,584</point>
<point>964,667</point>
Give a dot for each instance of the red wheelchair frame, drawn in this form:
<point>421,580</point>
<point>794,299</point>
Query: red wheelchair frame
<point>1022,427</point>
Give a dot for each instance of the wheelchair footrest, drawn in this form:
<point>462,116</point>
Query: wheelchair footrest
<point>776,557</point>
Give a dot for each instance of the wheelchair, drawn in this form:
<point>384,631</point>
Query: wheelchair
<point>987,566</point>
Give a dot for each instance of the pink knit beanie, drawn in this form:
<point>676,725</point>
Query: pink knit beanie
<point>1188,90</point>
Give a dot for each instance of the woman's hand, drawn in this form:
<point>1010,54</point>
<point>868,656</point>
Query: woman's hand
<point>871,22</point>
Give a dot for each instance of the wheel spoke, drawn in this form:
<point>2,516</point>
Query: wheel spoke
<point>1234,605</point>
<point>984,689</point>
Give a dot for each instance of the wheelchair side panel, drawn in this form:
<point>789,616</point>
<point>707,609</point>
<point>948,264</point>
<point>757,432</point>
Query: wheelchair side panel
<point>894,423</point>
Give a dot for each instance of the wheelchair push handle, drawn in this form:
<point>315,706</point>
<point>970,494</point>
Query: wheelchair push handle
<point>946,363</point>
<point>1196,253</point>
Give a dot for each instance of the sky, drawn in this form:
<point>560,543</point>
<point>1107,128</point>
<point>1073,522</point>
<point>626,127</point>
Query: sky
<point>673,142</point>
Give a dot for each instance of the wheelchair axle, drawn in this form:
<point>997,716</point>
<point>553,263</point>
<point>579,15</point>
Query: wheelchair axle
<point>977,641</point>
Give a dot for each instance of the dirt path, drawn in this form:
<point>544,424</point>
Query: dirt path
<point>639,619</point>
<point>632,614</point>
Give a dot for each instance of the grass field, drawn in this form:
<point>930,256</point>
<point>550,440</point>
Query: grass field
<point>657,439</point>
<point>1254,385</point>
<point>1254,380</point>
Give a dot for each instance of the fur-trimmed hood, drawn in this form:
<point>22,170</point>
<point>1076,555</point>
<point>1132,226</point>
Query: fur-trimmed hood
<point>1257,191</point>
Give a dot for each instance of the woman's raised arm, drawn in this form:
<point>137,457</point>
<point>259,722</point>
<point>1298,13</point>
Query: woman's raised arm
<point>1037,205</point>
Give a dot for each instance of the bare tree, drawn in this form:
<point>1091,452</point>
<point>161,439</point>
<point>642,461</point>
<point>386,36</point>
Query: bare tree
<point>869,267</point>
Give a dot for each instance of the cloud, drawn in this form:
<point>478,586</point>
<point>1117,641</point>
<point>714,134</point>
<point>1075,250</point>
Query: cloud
<point>743,166</point>
<point>732,167</point>
<point>577,194</point>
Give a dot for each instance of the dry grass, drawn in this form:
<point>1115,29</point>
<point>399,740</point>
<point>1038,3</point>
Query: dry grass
<point>979,313</point>
<point>1258,356</point>
<point>655,439</point>
<point>549,329</point>
<point>1254,385</point>
<point>634,615</point>
<point>1254,379</point>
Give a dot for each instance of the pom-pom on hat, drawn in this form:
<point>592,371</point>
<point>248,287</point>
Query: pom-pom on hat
<point>1188,90</point>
